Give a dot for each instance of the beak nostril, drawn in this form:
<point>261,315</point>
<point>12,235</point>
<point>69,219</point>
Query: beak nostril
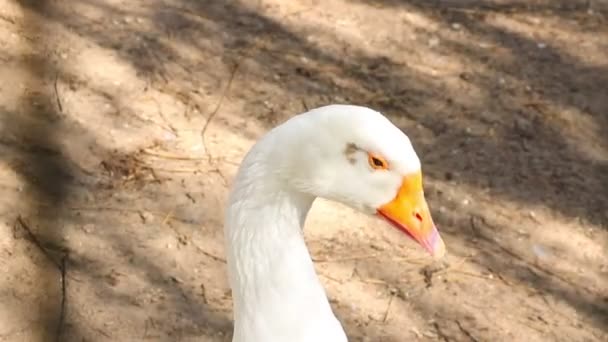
<point>418,216</point>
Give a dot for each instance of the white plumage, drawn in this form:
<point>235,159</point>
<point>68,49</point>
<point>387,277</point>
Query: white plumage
<point>349,154</point>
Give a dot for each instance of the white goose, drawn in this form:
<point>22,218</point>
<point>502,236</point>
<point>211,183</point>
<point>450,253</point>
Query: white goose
<point>350,154</point>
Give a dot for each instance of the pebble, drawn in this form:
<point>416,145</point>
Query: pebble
<point>88,228</point>
<point>147,217</point>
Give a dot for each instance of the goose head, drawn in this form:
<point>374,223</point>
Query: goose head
<point>356,156</point>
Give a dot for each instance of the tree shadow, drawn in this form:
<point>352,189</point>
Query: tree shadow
<point>534,152</point>
<point>36,157</point>
<point>563,8</point>
<point>174,309</point>
<point>448,298</point>
<point>32,143</point>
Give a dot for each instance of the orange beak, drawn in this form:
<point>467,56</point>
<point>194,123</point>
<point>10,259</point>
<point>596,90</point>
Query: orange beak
<point>409,212</point>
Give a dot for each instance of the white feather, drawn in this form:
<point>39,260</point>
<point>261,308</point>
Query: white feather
<point>277,294</point>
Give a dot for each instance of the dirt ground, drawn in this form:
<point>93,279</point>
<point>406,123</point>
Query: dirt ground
<point>122,124</point>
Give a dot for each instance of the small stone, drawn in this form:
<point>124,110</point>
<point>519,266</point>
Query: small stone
<point>88,228</point>
<point>146,216</point>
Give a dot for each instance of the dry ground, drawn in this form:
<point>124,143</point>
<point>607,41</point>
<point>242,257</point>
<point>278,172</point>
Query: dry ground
<point>106,180</point>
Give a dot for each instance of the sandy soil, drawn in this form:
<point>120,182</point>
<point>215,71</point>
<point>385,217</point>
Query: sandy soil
<point>110,214</point>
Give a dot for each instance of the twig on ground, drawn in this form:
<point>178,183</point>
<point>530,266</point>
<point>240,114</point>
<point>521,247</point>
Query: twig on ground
<point>165,125</point>
<point>199,248</point>
<point>167,217</point>
<point>60,324</point>
<point>132,211</point>
<point>7,19</point>
<point>229,162</point>
<point>33,239</point>
<point>177,170</point>
<point>57,98</point>
<point>417,261</point>
<point>298,12</point>
<point>466,332</point>
<point>372,281</point>
<point>531,326</point>
<point>471,274</point>
<point>388,308</point>
<point>440,332</point>
<point>168,155</point>
<point>463,10</point>
<point>349,258</point>
<point>61,267</point>
<point>501,277</point>
<point>332,278</point>
<point>217,107</point>
<point>412,280</point>
<point>159,110</point>
<point>211,255</point>
<point>368,256</point>
<point>101,208</point>
<point>222,176</point>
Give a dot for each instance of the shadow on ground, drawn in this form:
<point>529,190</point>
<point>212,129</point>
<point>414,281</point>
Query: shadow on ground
<point>32,146</point>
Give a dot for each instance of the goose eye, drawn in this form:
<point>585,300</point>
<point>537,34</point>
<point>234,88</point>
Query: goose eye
<point>377,162</point>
